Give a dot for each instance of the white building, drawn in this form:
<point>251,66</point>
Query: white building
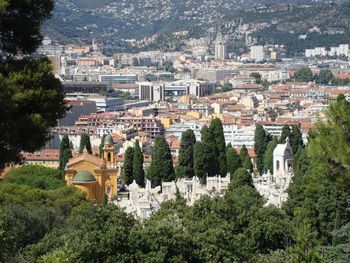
<point>220,51</point>
<point>274,186</point>
<point>257,53</point>
<point>143,202</point>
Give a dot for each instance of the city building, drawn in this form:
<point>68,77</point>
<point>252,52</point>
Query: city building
<point>118,78</point>
<point>257,53</point>
<point>220,51</point>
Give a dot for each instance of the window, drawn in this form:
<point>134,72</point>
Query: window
<point>278,165</point>
<point>109,157</point>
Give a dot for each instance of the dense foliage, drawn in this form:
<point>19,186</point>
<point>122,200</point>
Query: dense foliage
<point>161,168</point>
<point>31,98</point>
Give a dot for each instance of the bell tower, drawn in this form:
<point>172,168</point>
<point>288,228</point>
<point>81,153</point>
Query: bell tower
<point>108,151</point>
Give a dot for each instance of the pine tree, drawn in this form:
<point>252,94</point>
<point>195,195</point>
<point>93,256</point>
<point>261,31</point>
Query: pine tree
<point>304,249</point>
<point>260,144</point>
<point>233,161</point>
<point>268,156</point>
<point>102,144</point>
<point>218,134</point>
<point>211,167</point>
<point>128,165</point>
<point>85,143</point>
<point>65,152</point>
<point>139,174</point>
<point>199,161</point>
<point>285,133</point>
<point>296,139</point>
<point>161,168</point>
<point>185,167</point>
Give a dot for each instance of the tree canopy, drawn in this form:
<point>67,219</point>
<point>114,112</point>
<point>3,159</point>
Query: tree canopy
<point>161,168</point>
<point>31,98</point>
<point>186,154</point>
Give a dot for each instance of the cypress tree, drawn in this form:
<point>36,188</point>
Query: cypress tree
<point>185,167</point>
<point>233,161</point>
<point>296,139</point>
<point>247,164</point>
<point>219,138</point>
<point>245,158</point>
<point>199,161</point>
<point>285,133</point>
<point>268,156</point>
<point>85,143</point>
<point>211,167</point>
<point>138,172</point>
<point>65,152</point>
<point>128,165</point>
<point>161,168</point>
<point>102,144</point>
<point>260,144</point>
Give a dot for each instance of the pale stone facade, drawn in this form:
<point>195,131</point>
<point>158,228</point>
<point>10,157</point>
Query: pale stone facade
<point>143,202</point>
<point>274,186</point>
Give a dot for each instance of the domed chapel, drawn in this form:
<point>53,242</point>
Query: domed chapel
<point>93,175</point>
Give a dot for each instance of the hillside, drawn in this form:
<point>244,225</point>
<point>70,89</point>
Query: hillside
<point>164,24</point>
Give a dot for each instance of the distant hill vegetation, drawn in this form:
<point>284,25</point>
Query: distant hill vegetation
<point>153,24</point>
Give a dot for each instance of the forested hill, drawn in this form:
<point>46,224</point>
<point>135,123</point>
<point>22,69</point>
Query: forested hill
<point>160,24</point>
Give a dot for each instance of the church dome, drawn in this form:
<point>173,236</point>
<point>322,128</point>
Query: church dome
<point>84,177</point>
<point>108,139</point>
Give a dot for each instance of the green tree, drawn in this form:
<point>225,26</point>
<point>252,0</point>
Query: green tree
<point>233,161</point>
<point>199,161</point>
<point>268,156</point>
<point>186,166</point>
<point>257,77</point>
<point>329,148</point>
<point>241,178</point>
<point>209,147</point>
<point>128,165</point>
<point>245,159</point>
<point>161,168</point>
<point>102,144</point>
<point>285,133</point>
<point>65,152</point>
<point>85,143</point>
<point>260,145</point>
<point>325,77</point>
<point>296,139</point>
<point>139,174</point>
<point>31,98</point>
<point>218,134</point>
<point>304,74</point>
<point>36,176</point>
<point>304,249</point>
<point>20,23</point>
<point>31,101</point>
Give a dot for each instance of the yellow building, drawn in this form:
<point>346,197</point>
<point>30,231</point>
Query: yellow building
<point>93,175</point>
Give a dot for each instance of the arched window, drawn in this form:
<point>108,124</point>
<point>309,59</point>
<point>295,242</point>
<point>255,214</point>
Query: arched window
<point>109,157</point>
<point>278,165</point>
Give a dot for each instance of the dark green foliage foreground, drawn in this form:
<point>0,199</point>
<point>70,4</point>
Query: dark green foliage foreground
<point>31,98</point>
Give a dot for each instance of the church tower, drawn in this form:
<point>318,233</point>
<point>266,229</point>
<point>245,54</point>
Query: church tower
<point>109,152</point>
